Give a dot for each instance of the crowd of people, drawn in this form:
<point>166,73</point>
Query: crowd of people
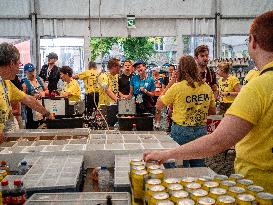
<point>189,92</point>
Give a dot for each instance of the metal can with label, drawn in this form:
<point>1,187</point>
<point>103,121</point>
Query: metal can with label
<point>169,181</point>
<point>177,195</point>
<point>187,180</point>
<point>157,197</point>
<point>209,185</point>
<point>244,183</point>
<point>137,168</point>
<point>174,187</point>
<point>192,186</point>
<point>226,200</point>
<point>136,162</point>
<point>156,174</point>
<point>206,201</point>
<point>153,167</point>
<point>216,192</point>
<point>254,190</point>
<point>152,182</point>
<point>165,202</point>
<point>138,183</point>
<point>203,179</point>
<point>246,199</point>
<point>4,173</point>
<point>220,178</point>
<point>153,190</point>
<point>185,202</point>
<point>264,198</point>
<point>196,194</point>
<point>235,190</point>
<point>227,183</point>
<point>235,177</point>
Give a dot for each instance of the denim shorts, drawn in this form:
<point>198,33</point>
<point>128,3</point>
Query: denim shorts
<point>184,134</point>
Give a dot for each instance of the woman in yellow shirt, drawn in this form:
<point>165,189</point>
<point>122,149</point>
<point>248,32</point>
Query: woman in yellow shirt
<point>192,101</point>
<point>229,87</point>
<point>72,88</point>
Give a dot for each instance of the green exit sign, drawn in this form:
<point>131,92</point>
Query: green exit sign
<point>131,21</point>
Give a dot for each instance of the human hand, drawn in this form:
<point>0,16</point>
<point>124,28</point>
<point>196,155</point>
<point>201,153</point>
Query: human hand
<point>159,156</point>
<point>142,89</point>
<point>51,116</point>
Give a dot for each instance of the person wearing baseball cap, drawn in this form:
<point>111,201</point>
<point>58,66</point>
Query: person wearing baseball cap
<point>50,73</point>
<point>33,85</point>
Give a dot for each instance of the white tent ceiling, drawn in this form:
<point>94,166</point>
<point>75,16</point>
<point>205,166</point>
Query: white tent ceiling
<point>84,18</point>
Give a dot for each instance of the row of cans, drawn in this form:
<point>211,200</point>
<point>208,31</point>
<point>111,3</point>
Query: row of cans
<point>150,186</point>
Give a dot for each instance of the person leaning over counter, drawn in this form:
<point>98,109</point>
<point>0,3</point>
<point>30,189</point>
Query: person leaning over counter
<point>71,88</point>
<point>9,67</point>
<point>248,122</point>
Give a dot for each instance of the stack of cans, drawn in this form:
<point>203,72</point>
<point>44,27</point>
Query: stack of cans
<point>150,187</point>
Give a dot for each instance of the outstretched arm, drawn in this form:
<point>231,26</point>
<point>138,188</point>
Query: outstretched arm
<point>230,131</point>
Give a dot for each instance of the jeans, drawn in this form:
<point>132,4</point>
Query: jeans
<point>185,134</point>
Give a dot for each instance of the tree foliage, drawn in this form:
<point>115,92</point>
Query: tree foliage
<point>134,48</point>
<point>101,46</point>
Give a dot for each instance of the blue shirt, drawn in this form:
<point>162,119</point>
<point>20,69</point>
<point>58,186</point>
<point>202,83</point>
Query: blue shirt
<point>147,83</point>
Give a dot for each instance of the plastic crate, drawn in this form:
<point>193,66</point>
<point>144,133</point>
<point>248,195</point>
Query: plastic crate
<point>144,122</point>
<point>90,198</point>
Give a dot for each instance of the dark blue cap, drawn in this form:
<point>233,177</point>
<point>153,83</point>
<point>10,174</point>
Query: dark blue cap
<point>138,62</point>
<point>29,67</point>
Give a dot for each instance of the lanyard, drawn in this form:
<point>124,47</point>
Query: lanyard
<point>6,96</point>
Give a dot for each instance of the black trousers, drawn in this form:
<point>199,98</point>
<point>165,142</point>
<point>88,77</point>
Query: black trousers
<point>91,102</point>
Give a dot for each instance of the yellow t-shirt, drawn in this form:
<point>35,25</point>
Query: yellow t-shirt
<point>89,78</point>
<point>74,89</point>
<point>254,157</point>
<point>107,80</point>
<point>250,75</point>
<point>14,94</point>
<point>228,86</point>
<point>190,105</point>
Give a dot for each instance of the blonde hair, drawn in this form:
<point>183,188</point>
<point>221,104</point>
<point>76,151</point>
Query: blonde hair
<point>225,66</point>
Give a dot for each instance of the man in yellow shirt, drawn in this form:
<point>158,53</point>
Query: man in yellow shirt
<point>71,88</point>
<point>89,78</point>
<point>251,75</point>
<point>9,67</point>
<point>248,122</point>
<point>109,83</point>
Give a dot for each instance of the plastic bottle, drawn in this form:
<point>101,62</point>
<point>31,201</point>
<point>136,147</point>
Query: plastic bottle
<point>6,197</point>
<point>103,178</point>
<point>23,167</point>
<point>134,127</point>
<point>18,195</point>
<point>4,166</point>
<point>116,126</point>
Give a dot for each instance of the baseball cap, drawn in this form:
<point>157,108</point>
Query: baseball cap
<point>52,56</point>
<point>29,67</point>
<point>138,62</point>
